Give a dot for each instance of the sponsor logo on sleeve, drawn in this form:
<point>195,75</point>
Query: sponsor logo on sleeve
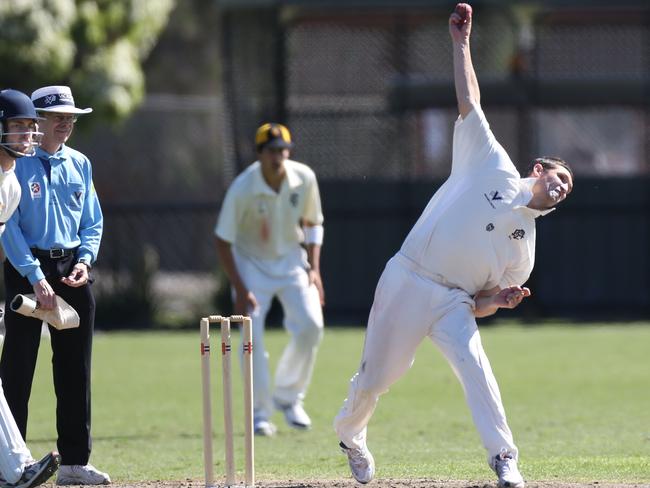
<point>517,234</point>
<point>493,196</point>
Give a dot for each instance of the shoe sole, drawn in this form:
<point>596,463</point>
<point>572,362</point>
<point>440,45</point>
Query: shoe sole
<point>46,471</point>
<point>78,482</point>
<point>507,484</point>
<point>297,426</point>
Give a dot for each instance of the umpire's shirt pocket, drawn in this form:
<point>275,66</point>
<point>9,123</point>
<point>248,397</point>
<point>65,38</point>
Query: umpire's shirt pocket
<point>76,195</point>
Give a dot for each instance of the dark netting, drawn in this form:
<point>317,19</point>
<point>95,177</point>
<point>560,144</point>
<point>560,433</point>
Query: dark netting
<point>581,52</point>
<point>160,178</point>
<point>339,74</point>
<point>331,75</point>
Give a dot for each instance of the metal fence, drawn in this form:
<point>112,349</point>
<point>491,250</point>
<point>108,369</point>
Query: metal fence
<point>368,95</point>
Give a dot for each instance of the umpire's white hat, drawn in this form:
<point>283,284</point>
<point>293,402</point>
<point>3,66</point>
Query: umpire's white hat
<point>56,99</point>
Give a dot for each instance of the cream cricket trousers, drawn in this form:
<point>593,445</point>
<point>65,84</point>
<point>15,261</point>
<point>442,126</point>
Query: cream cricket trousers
<point>303,319</point>
<point>14,455</point>
<point>408,307</point>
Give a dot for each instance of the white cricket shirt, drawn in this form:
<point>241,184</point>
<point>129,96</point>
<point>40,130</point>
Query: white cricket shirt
<point>264,225</point>
<point>9,195</point>
<point>476,231</point>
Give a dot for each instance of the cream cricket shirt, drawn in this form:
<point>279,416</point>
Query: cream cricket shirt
<point>9,195</point>
<point>476,231</point>
<point>263,225</point>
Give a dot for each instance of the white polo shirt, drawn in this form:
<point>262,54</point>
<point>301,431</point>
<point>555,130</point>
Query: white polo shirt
<point>476,231</point>
<point>263,225</point>
<point>9,195</point>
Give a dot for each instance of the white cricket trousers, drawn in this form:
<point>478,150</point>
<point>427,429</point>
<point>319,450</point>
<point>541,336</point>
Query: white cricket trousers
<point>407,308</point>
<point>303,319</point>
<point>14,455</point>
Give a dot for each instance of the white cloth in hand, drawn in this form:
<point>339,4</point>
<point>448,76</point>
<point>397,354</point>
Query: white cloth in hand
<point>63,316</point>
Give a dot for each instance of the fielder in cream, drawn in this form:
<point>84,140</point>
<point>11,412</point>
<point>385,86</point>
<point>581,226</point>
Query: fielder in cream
<point>268,238</point>
<point>468,255</point>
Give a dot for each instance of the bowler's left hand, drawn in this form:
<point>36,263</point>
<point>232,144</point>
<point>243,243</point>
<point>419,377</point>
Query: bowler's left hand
<point>77,277</point>
<point>511,297</point>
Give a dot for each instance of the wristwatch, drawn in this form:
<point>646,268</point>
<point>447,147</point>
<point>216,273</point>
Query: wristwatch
<point>84,261</point>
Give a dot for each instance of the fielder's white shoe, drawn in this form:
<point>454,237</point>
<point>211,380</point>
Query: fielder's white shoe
<point>81,475</point>
<point>295,415</point>
<point>264,428</point>
<point>505,467</point>
<point>361,462</point>
<point>37,473</point>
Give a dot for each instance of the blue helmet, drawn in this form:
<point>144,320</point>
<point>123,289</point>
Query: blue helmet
<point>16,105</point>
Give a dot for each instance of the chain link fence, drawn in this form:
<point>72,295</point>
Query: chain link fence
<point>368,96</point>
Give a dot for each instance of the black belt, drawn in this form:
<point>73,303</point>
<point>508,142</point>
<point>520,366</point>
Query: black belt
<point>53,253</point>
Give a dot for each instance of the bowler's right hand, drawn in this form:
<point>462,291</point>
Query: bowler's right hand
<point>45,295</point>
<point>460,23</point>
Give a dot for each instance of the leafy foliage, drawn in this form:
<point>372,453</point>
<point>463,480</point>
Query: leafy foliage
<point>95,46</point>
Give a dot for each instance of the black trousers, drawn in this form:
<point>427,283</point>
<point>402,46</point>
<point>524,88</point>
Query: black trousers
<point>71,359</point>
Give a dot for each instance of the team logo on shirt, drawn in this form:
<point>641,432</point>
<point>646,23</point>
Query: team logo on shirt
<point>489,227</point>
<point>493,196</point>
<point>293,198</point>
<point>517,234</point>
<point>35,189</point>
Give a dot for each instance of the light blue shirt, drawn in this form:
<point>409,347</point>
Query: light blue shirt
<point>59,212</point>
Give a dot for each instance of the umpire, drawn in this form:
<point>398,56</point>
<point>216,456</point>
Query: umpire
<point>50,243</point>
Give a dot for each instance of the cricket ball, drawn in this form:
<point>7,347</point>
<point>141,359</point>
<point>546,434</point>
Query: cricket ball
<point>464,10</point>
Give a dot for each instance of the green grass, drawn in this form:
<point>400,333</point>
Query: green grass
<point>577,399</point>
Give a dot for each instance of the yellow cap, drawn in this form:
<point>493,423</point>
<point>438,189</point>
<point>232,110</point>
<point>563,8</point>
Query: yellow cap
<point>274,136</point>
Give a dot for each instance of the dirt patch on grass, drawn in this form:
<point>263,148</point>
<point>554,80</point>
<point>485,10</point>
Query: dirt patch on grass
<point>378,483</point>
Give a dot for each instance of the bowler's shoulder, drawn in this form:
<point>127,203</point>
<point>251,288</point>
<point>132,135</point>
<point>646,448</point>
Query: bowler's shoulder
<point>473,120</point>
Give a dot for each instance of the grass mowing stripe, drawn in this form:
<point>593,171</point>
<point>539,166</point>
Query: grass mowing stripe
<point>577,399</point>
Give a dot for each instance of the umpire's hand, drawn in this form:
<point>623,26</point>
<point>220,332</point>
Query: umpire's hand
<point>45,296</point>
<point>77,277</point>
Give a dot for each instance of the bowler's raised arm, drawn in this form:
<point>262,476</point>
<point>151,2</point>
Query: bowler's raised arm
<point>467,89</point>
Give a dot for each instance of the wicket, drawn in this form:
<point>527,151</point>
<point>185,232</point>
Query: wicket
<point>247,341</point>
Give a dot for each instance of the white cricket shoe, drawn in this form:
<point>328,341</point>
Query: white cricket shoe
<point>505,467</point>
<point>81,475</point>
<point>295,415</point>
<point>361,462</point>
<point>264,428</point>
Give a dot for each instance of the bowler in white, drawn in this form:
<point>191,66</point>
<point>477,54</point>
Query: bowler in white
<point>469,254</point>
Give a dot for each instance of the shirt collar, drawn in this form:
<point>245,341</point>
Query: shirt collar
<point>260,186</point>
<point>525,196</point>
<point>60,154</point>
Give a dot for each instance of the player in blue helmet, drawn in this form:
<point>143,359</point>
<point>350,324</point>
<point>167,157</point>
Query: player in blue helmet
<point>50,243</point>
<point>19,137</point>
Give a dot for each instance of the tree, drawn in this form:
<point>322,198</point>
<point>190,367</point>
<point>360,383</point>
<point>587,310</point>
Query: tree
<point>95,46</point>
